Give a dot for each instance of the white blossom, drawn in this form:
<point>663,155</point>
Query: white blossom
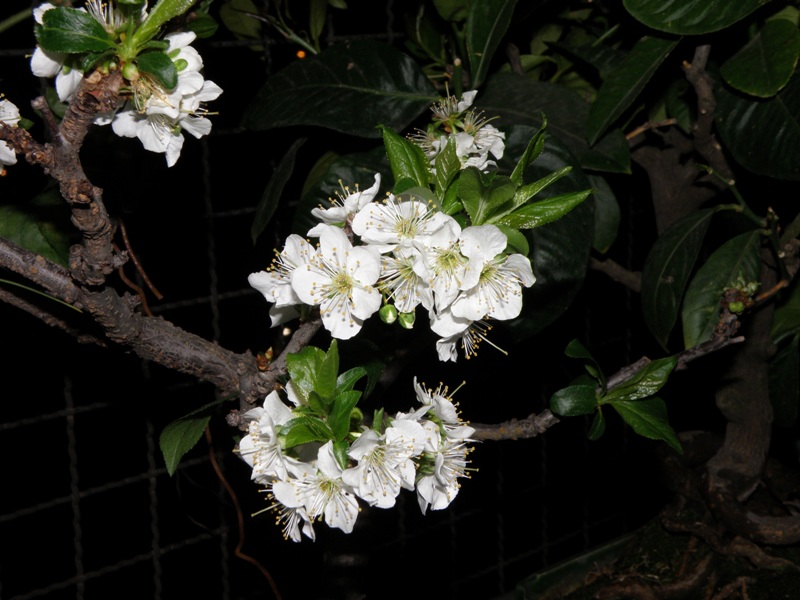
<point>9,114</point>
<point>446,464</point>
<point>340,279</point>
<point>344,207</point>
<point>275,283</point>
<point>384,462</point>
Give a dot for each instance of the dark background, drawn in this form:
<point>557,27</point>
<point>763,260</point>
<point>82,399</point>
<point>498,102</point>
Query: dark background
<point>87,509</point>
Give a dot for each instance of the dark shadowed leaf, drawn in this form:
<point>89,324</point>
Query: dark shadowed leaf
<point>767,62</point>
<point>487,23</point>
<point>624,83</point>
<point>181,435</point>
<point>784,384</point>
<point>574,400</point>
<point>763,135</point>
<point>691,17</point>
<point>701,308</point>
<point>786,320</point>
<point>606,214</point>
<point>377,84</point>
<point>40,226</point>
<point>518,100</point>
<point>667,269</point>
<point>648,418</point>
<point>274,190</point>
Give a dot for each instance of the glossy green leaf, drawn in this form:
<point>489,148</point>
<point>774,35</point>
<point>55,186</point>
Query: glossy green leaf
<point>407,160</point>
<point>271,196</point>
<point>574,400</point>
<point>303,367</point>
<point>606,214</point>
<point>487,23</point>
<point>784,384</point>
<point>532,152</point>
<point>648,418</point>
<point>159,66</point>
<point>517,242</point>
<point>624,84</point>
<point>182,435</point>
<point>526,192</point>
<point>544,211</point>
<point>71,30</point>
<point>762,135</point>
<point>303,430</point>
<point>376,83</point>
<point>325,382</point>
<point>448,166</point>
<point>522,101</point>
<point>667,269</point>
<point>645,382</point>
<point>339,417</point>
<point>691,17</point>
<point>482,194</point>
<point>767,62</point>
<point>786,319</point>
<point>157,16</point>
<point>701,307</point>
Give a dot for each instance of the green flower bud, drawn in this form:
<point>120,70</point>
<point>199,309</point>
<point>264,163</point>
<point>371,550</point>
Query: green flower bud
<point>736,308</point>
<point>130,71</point>
<point>388,314</point>
<point>181,64</point>
<point>407,320</point>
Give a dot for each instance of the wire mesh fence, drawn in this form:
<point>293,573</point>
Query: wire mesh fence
<point>88,510</point>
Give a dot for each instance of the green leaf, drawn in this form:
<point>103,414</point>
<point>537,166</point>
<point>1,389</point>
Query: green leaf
<point>517,242</point>
<point>767,62</point>
<point>544,211</point>
<point>274,190</point>
<point>376,83</point>
<point>667,269</point>
<point>39,226</point>
<point>519,100</point>
<point>181,435</point>
<point>701,308</point>
<point>317,15</point>
<point>598,427</point>
<point>606,214</point>
<point>340,453</point>
<point>577,350</point>
<point>487,23</point>
<point>406,159</point>
<point>163,11</point>
<point>159,66</point>
<point>483,194</point>
<point>624,84</point>
<point>574,400</point>
<point>691,17</point>
<point>203,26</point>
<point>72,31</point>
<point>785,320</point>
<point>526,192</point>
<point>448,166</point>
<point>648,418</point>
<point>303,430</point>
<point>762,135</point>
<point>532,152</point>
<point>339,417</point>
<point>645,382</point>
<point>346,381</point>
<point>303,367</point>
<point>784,384</point>
<point>325,380</point>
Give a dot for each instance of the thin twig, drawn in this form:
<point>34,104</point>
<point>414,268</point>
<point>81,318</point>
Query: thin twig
<point>132,256</point>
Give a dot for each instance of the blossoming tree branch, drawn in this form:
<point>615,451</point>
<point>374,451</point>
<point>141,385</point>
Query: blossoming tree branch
<point>481,207</point>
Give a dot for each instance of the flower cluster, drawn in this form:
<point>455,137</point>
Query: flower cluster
<point>150,111</point>
<point>407,254</point>
<point>424,451</point>
<point>454,120</point>
<point>9,114</point>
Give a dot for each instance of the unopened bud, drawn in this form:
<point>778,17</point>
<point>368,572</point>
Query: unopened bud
<point>407,320</point>
<point>388,314</point>
<point>130,71</point>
